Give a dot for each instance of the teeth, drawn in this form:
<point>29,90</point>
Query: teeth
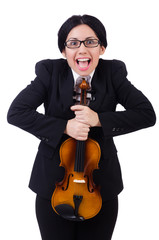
<point>83,59</point>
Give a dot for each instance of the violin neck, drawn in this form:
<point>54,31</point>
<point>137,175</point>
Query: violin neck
<point>80,156</point>
<point>80,146</point>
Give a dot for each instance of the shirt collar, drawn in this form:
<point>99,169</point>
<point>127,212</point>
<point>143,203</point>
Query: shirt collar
<point>76,75</point>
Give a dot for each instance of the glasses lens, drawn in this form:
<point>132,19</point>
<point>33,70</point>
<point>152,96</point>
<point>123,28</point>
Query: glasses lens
<point>73,44</point>
<point>91,43</point>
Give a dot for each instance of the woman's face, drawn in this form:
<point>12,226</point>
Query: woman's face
<point>83,60</point>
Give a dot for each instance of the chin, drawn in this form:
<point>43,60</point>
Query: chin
<point>83,72</point>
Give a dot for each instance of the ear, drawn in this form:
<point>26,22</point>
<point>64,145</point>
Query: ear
<point>102,50</point>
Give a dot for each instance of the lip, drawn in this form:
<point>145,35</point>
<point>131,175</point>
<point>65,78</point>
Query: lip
<point>82,59</point>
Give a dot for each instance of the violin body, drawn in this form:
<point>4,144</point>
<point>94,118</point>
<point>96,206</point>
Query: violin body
<point>76,197</point>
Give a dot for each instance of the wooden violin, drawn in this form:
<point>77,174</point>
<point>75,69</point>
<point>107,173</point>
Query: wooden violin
<point>76,197</point>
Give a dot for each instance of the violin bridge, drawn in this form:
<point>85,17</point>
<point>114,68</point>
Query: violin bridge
<point>79,181</point>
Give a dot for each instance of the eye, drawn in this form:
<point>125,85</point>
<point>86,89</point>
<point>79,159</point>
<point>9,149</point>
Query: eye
<point>89,41</point>
<point>72,43</point>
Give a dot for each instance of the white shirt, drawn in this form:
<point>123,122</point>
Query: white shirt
<point>77,96</point>
<point>76,76</point>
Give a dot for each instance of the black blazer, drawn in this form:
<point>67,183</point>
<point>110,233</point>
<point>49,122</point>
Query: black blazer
<point>53,86</point>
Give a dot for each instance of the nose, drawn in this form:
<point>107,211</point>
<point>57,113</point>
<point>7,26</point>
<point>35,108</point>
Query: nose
<point>82,48</point>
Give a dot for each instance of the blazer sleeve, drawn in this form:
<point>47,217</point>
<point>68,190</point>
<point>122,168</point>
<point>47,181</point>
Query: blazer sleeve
<point>23,110</point>
<point>138,113</point>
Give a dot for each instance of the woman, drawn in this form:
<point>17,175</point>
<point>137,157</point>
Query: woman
<point>81,40</point>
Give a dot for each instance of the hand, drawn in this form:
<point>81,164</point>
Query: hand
<point>77,130</point>
<point>85,115</point>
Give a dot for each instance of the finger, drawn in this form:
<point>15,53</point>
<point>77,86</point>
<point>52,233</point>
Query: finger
<point>81,120</point>
<point>84,122</point>
<point>79,114</point>
<point>83,134</point>
<point>77,108</point>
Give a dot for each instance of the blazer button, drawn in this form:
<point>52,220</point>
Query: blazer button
<point>114,129</point>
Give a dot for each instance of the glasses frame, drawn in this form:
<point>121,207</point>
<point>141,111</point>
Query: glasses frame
<point>84,42</point>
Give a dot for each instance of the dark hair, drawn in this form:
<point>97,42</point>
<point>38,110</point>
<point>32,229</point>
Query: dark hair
<point>76,20</point>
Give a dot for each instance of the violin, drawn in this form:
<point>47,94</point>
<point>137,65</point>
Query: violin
<point>76,197</point>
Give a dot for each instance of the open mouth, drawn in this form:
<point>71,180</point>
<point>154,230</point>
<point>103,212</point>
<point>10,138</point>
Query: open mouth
<point>83,63</point>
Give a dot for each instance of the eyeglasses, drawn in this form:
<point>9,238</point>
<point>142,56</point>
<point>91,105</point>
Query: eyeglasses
<point>89,43</point>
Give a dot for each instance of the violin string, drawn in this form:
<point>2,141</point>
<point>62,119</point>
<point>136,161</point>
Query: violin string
<point>80,149</point>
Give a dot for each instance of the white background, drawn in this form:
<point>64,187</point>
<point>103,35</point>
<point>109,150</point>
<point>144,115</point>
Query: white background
<point>28,34</point>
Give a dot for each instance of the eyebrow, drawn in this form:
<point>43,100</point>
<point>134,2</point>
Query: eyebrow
<point>92,37</point>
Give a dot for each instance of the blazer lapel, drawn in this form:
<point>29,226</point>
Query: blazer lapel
<point>99,86</point>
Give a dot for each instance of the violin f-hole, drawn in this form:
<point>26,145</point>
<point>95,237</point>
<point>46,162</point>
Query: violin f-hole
<point>68,180</point>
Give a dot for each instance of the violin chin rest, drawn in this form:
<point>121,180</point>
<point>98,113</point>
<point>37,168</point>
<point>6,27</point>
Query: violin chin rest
<point>66,211</point>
